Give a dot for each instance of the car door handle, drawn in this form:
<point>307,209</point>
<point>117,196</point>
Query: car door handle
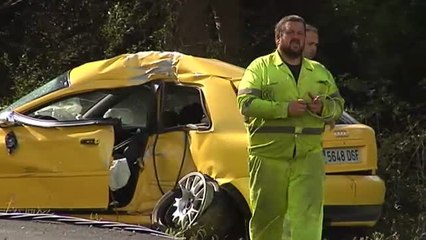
<point>89,141</point>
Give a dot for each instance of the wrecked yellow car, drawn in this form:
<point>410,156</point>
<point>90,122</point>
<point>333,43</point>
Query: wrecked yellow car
<point>156,138</point>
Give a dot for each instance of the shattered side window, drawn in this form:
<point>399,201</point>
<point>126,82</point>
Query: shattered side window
<point>71,108</point>
<point>133,110</point>
<point>182,105</point>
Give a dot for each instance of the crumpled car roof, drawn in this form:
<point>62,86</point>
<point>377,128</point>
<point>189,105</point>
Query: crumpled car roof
<point>142,67</point>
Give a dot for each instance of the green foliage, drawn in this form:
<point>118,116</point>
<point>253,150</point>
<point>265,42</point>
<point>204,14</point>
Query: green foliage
<point>401,136</point>
<point>5,66</point>
<point>380,42</point>
<point>138,26</point>
<point>403,166</point>
<point>387,89</point>
<point>60,35</point>
<point>57,36</point>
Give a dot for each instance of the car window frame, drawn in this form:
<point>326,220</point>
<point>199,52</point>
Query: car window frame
<point>93,114</point>
<point>198,126</point>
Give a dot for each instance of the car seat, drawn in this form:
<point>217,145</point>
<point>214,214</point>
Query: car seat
<point>191,114</point>
<point>169,119</point>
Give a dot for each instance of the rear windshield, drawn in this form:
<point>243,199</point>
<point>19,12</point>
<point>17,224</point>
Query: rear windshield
<point>347,119</point>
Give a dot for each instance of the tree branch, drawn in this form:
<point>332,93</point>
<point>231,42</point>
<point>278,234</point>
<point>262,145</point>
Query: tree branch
<point>9,3</point>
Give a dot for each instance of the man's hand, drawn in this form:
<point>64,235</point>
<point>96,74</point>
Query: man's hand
<point>297,108</point>
<point>316,105</point>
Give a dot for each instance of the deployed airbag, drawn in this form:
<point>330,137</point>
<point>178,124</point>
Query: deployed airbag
<point>119,174</point>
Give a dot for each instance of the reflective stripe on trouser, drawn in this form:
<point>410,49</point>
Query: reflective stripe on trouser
<point>287,186</point>
<point>286,129</point>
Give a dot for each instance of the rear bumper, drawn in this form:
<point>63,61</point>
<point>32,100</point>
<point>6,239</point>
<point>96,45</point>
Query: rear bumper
<point>353,200</point>
<point>352,215</point>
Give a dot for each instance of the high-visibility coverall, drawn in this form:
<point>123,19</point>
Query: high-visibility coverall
<point>286,161</point>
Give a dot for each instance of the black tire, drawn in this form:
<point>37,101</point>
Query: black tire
<point>161,214</point>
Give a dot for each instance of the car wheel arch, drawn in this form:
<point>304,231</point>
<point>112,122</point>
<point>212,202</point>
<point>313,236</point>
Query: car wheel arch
<point>228,205</point>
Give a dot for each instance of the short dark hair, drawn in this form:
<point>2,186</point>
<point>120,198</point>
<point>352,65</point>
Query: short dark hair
<point>310,28</point>
<point>279,27</point>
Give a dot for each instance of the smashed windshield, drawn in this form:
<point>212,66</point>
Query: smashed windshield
<point>56,84</point>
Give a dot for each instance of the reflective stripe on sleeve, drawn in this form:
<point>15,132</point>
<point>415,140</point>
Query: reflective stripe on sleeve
<point>246,105</point>
<point>250,91</point>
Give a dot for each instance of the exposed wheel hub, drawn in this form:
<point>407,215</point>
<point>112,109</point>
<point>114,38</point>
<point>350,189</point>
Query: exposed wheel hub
<point>197,194</point>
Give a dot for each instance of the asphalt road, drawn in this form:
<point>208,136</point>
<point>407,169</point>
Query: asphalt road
<point>49,230</point>
<point>40,230</point>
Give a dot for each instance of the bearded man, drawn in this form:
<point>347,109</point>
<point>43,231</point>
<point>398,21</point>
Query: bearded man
<point>285,100</point>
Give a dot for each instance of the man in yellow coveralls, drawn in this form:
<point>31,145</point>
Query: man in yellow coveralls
<point>286,99</point>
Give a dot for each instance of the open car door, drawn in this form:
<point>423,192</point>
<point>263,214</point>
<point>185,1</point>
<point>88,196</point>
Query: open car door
<point>47,164</point>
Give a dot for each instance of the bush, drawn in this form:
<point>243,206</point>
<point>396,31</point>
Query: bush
<point>403,166</point>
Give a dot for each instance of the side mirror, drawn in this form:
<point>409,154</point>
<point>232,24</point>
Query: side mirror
<point>6,119</point>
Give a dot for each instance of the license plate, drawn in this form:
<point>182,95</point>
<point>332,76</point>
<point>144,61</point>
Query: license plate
<point>341,155</point>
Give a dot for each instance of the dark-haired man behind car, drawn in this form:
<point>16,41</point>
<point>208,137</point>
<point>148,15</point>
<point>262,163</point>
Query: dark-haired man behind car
<point>311,42</point>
